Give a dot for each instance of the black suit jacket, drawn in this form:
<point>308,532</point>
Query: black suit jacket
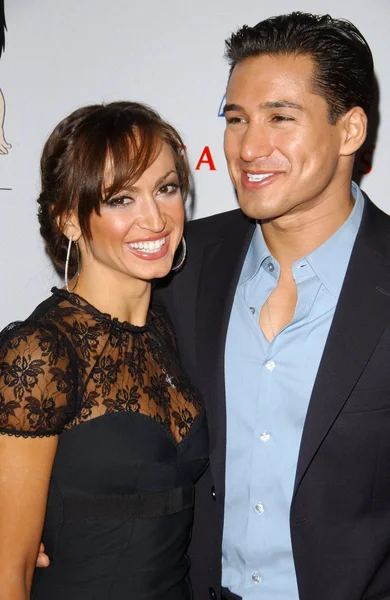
<point>340,511</point>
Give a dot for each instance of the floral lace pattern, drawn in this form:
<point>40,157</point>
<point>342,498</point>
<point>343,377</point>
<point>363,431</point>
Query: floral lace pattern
<point>70,363</point>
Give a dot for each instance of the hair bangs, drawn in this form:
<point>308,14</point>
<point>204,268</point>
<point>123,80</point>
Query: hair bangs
<point>128,155</point>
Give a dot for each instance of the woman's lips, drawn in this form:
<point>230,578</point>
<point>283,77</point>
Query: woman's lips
<point>150,249</point>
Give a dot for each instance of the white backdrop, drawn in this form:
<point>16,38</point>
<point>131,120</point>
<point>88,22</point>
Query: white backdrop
<point>62,54</point>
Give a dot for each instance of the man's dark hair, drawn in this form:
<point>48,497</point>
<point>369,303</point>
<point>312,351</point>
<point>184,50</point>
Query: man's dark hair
<point>344,68</point>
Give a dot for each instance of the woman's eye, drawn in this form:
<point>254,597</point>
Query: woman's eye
<point>119,201</point>
<point>169,189</point>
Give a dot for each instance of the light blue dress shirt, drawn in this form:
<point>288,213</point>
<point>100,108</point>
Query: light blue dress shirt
<point>268,388</point>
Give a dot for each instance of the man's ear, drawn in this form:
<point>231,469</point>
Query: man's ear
<point>69,225</point>
<point>353,130</point>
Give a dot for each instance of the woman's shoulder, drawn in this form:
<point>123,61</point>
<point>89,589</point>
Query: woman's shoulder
<point>61,308</point>
<point>38,377</point>
<point>75,319</point>
<point>46,317</point>
<point>36,337</point>
<point>163,324</point>
<point>42,325</point>
<point>160,315</point>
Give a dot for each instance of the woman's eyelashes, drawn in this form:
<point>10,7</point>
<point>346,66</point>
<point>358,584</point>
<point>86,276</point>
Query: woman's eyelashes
<point>119,201</point>
<point>167,189</point>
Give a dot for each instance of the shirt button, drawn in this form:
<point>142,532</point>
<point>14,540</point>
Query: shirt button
<point>270,267</point>
<point>256,577</point>
<point>259,508</point>
<point>270,365</point>
<point>265,436</point>
<point>252,309</point>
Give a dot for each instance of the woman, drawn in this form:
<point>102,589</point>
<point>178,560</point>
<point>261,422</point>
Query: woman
<point>105,433</point>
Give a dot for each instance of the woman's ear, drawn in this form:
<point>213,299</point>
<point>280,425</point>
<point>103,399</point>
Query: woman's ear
<point>69,225</point>
<point>354,130</point>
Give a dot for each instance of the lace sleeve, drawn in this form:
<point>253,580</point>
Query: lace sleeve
<point>37,380</point>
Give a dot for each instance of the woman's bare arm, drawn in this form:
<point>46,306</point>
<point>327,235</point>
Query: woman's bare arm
<point>36,383</point>
<point>25,469</point>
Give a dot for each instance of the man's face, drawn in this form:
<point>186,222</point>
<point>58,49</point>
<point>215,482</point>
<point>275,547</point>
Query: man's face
<point>283,154</point>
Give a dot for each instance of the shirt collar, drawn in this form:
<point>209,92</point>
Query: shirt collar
<point>329,261</point>
<point>256,255</point>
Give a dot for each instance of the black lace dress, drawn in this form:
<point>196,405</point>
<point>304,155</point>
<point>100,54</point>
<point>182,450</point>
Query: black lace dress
<point>133,442</point>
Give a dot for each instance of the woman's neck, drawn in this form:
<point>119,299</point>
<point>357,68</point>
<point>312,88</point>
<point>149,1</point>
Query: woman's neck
<point>120,296</point>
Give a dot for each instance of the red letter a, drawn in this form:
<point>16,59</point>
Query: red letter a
<point>206,159</point>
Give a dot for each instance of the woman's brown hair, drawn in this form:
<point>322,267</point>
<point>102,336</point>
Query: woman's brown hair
<point>74,159</point>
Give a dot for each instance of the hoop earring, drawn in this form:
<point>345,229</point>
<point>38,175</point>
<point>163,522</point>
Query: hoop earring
<point>67,264</point>
<point>183,256</point>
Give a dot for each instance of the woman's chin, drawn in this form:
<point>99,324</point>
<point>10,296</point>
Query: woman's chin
<point>162,272</point>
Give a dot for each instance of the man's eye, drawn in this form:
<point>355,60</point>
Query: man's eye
<point>281,118</point>
<point>234,120</point>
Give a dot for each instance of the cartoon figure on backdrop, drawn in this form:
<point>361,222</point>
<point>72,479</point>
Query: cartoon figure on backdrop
<point>4,145</point>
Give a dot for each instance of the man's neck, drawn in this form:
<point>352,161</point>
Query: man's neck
<point>295,235</point>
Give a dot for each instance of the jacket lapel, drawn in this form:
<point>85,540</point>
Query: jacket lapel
<point>362,313</point>
<point>220,272</point>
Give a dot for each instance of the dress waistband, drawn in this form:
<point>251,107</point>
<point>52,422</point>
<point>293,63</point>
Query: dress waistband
<point>129,506</point>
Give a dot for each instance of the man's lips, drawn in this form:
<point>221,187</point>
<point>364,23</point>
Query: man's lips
<point>151,248</point>
<point>258,179</point>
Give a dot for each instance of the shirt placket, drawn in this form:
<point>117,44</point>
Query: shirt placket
<point>266,429</point>
<point>258,510</point>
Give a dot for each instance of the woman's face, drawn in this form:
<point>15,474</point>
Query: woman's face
<point>140,228</point>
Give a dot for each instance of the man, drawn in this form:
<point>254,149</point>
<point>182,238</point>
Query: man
<point>282,315</point>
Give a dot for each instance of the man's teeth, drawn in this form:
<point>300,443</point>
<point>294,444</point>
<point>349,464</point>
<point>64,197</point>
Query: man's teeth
<point>154,246</point>
<point>258,176</point>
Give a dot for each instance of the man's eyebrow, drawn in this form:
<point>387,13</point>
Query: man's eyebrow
<point>228,107</point>
<point>280,104</point>
<point>271,104</point>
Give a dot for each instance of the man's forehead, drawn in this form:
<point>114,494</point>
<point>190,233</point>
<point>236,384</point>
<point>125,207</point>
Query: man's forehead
<point>272,67</point>
<point>274,81</point>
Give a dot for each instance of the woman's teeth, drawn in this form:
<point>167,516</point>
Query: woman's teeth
<point>153,246</point>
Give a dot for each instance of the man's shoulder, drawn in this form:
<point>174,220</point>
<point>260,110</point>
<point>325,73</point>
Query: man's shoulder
<point>228,216</point>
<point>375,228</point>
<point>209,228</point>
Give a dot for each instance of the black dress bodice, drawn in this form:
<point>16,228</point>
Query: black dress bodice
<point>132,443</point>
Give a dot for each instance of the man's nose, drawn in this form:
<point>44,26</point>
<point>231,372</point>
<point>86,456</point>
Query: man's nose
<point>256,143</point>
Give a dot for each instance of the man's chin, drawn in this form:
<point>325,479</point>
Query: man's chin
<point>259,210</point>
